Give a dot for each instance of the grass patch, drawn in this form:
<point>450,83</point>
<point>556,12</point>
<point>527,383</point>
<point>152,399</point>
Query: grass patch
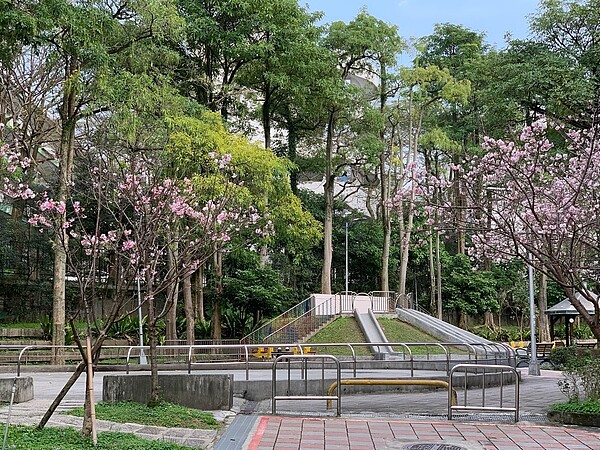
<point>586,407</point>
<point>341,330</point>
<point>397,331</point>
<point>27,325</point>
<point>27,438</point>
<point>162,415</point>
<point>346,329</point>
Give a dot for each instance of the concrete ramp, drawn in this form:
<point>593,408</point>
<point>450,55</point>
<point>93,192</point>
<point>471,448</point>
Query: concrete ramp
<point>373,332</point>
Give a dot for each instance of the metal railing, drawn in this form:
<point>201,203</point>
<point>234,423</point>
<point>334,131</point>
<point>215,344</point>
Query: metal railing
<point>383,301</point>
<point>411,356</point>
<point>301,361</point>
<point>496,370</point>
<point>305,318</point>
<point>296,323</point>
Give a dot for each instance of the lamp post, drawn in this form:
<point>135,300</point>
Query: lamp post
<point>346,258</point>
<point>143,360</point>
<point>534,365</point>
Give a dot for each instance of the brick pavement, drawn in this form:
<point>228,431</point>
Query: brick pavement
<point>399,421</point>
<point>299,433</point>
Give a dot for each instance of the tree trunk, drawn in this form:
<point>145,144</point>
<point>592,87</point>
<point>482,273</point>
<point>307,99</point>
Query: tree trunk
<point>328,222</point>
<point>199,293</point>
<point>58,302</point>
<point>432,285</point>
<point>543,322</point>
<point>292,140</point>
<point>68,119</point>
<point>216,303</point>
<point>152,341</point>
<point>172,297</point>
<point>438,264</point>
<point>488,318</point>
<point>188,305</point>
<point>386,220</point>
<point>81,367</point>
<point>61,395</point>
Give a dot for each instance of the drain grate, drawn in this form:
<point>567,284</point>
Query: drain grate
<point>432,447</point>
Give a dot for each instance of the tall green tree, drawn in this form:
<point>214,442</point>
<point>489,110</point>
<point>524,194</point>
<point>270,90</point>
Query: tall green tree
<point>358,46</point>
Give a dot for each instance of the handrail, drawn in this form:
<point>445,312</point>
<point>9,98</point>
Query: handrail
<point>304,360</point>
<point>29,347</point>
<point>241,352</point>
<point>499,369</point>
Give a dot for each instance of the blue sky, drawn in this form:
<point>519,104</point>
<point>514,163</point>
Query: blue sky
<point>416,18</point>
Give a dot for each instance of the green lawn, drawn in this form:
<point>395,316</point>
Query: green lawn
<point>346,329</point>
<point>162,415</point>
<point>28,438</point>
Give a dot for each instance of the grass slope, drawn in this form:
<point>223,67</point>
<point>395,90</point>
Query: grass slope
<point>346,329</point>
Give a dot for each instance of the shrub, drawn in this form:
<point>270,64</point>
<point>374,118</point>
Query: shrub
<point>581,374</point>
<point>563,357</point>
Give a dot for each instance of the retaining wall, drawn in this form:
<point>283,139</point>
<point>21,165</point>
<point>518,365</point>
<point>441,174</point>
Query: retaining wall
<point>205,392</point>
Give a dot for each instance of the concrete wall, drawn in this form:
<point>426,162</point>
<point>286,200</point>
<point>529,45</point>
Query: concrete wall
<point>205,392</point>
<point>23,389</point>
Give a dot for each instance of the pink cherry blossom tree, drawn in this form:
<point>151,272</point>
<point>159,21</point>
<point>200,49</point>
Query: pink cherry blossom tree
<point>537,198</point>
<point>128,219</point>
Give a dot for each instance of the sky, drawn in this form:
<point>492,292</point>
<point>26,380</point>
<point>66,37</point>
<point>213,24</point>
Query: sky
<point>416,18</point>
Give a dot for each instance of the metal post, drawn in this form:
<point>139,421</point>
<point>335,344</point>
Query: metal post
<point>346,259</point>
<point>534,365</point>
<point>143,359</point>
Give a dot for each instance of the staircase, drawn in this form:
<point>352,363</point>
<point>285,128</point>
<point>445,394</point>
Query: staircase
<point>302,321</point>
<point>296,324</point>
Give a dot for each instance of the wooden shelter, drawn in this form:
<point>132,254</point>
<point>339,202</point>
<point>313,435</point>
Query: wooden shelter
<point>566,310</point>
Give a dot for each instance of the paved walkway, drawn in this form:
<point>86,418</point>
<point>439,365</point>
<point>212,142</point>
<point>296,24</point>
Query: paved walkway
<point>416,421</point>
<point>408,421</point>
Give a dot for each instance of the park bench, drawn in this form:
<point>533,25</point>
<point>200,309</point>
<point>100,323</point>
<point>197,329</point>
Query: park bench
<point>585,344</point>
<point>543,350</point>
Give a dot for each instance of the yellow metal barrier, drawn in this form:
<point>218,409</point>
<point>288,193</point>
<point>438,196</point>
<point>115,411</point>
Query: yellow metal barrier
<point>380,382</point>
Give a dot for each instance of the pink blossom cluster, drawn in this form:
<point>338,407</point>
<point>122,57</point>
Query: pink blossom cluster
<point>533,195</point>
<point>11,163</point>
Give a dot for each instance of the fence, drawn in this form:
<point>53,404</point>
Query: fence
<point>408,356</point>
<point>482,371</point>
<point>315,312</point>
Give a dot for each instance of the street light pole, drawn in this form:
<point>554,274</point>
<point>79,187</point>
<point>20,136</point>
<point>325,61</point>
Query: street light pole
<point>346,257</point>
<point>534,365</point>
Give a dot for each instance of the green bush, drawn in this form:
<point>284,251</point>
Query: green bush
<point>564,357</point>
<point>588,407</point>
<point>581,373</point>
<point>500,334</point>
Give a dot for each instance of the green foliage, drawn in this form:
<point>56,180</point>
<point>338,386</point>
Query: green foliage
<point>586,407</point>
<point>126,328</point>
<point>27,438</point>
<point>163,414</point>
<point>46,325</point>
<point>202,329</point>
<point>236,323</point>
<point>580,370</point>
<point>467,290</point>
<point>501,334</point>
<point>564,357</point>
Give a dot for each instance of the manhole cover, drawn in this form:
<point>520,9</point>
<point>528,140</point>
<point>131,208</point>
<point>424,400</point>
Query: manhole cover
<point>432,447</point>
